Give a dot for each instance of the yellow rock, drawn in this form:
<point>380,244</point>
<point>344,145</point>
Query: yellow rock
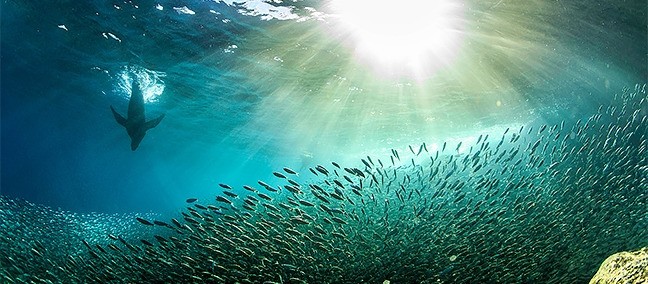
<point>624,267</point>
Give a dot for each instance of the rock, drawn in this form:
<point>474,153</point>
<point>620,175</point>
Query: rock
<point>624,267</point>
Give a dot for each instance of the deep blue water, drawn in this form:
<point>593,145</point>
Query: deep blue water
<point>245,95</point>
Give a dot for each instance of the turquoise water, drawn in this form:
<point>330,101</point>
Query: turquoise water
<point>250,88</point>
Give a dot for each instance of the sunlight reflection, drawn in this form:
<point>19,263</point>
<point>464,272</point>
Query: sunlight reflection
<point>411,37</point>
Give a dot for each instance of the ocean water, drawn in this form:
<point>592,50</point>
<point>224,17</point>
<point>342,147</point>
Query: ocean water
<point>495,122</point>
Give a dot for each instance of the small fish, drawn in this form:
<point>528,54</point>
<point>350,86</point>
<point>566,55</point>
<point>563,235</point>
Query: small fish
<point>322,198</point>
<point>225,186</point>
<point>262,183</point>
<point>266,197</point>
<point>271,189</point>
<point>337,196</point>
<point>284,206</point>
<point>542,128</point>
<point>292,202</point>
<point>223,199</point>
<point>249,188</point>
<point>322,170</point>
<point>298,220</point>
<point>306,203</point>
<point>144,221</point>
<point>191,220</point>
<point>366,163</point>
<point>273,215</point>
<point>93,254</point>
<point>289,170</point>
<point>420,211</point>
<point>175,222</point>
<point>271,207</point>
<point>292,189</point>
<point>36,252</point>
<point>160,239</point>
<point>156,222</point>
<point>294,183</point>
<point>191,200</point>
<point>279,175</point>
<point>248,201</point>
<point>114,248</point>
<point>338,220</point>
<point>553,165</point>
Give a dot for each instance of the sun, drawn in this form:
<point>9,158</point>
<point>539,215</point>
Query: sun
<point>406,37</point>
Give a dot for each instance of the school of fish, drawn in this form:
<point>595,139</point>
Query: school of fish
<point>539,204</point>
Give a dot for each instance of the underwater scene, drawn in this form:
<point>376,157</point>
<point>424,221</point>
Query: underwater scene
<point>334,141</point>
